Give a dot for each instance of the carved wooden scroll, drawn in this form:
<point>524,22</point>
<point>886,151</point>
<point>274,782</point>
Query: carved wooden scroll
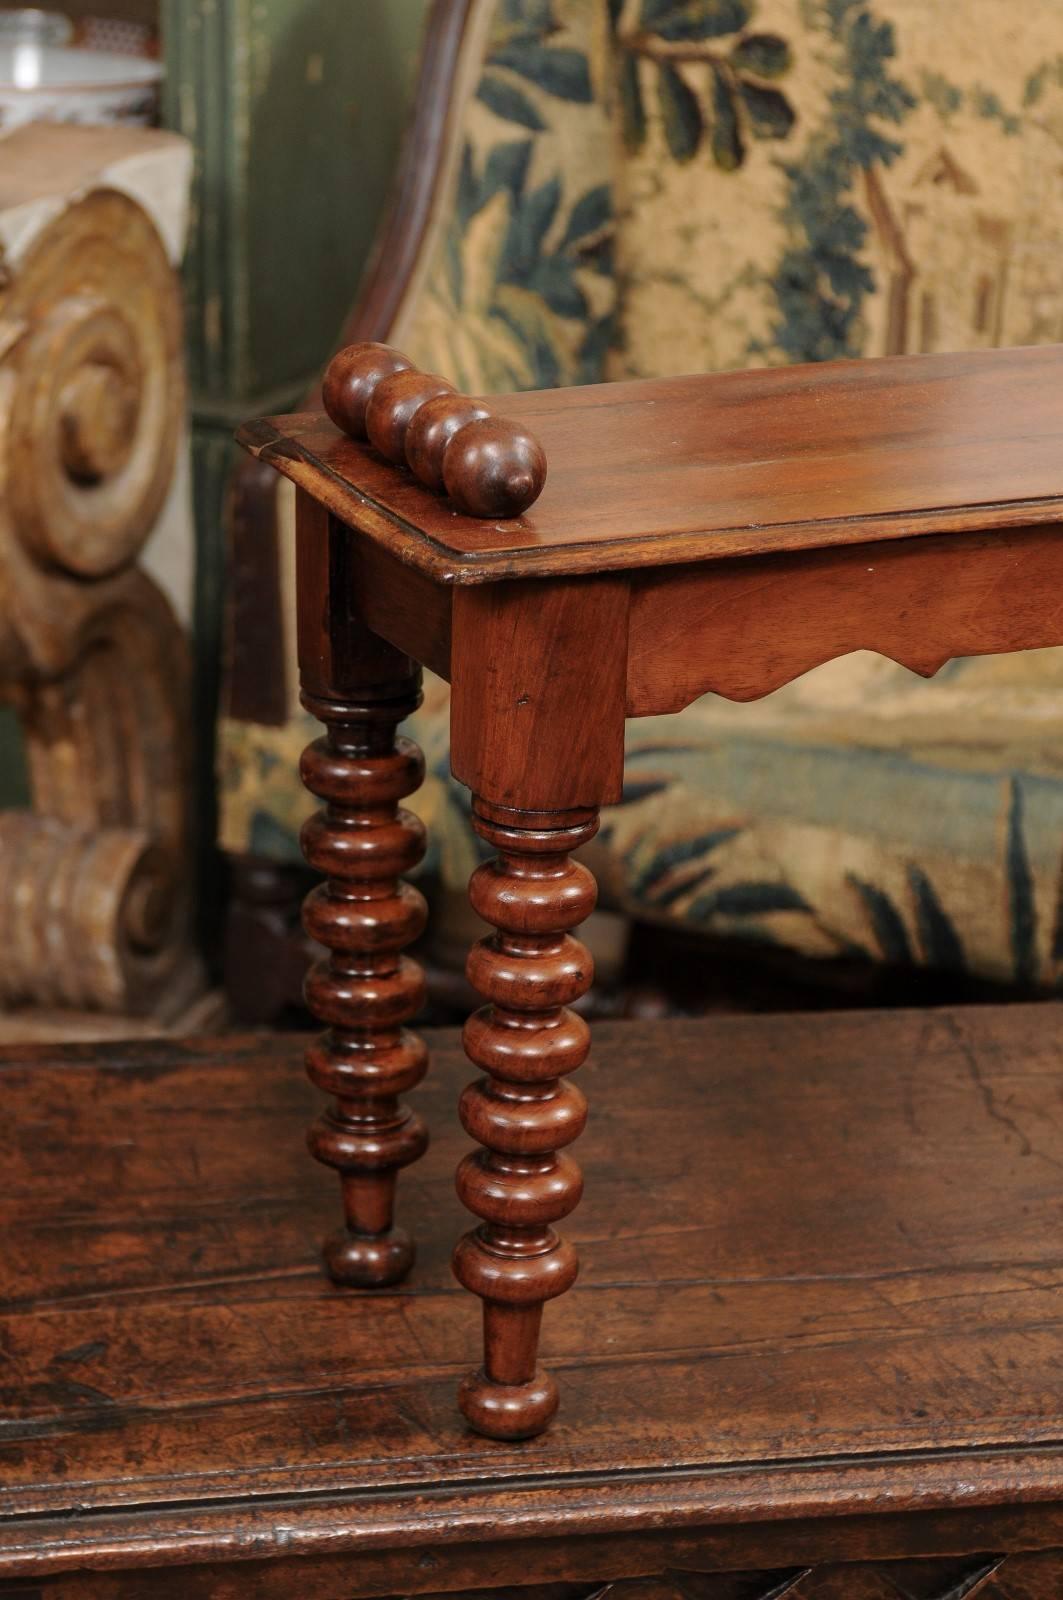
<point>95,882</point>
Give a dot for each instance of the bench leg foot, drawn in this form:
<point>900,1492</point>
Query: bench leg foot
<point>523,1112</point>
<point>361,841</point>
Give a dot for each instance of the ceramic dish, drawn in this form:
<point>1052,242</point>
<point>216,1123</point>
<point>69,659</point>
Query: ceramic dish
<point>61,85</point>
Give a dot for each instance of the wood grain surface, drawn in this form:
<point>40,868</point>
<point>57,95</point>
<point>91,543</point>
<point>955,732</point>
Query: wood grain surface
<point>820,1310</point>
<point>705,467</point>
<point>743,628</point>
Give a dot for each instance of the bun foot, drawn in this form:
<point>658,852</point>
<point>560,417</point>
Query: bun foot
<point>369,1261</point>
<point>508,1410</point>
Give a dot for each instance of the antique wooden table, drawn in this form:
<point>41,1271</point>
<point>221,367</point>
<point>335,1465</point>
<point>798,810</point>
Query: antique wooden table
<point>816,1352</point>
<point>708,533</point>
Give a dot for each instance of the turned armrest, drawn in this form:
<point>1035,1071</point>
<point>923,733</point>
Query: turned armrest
<point>487,464</point>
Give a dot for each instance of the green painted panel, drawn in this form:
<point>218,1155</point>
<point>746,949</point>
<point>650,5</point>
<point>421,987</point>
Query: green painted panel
<point>296,109</point>
<point>14,779</point>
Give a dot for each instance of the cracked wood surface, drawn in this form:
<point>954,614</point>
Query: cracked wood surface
<point>821,1300</point>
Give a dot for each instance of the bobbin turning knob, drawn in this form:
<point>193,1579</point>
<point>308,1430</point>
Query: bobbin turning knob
<point>488,465</point>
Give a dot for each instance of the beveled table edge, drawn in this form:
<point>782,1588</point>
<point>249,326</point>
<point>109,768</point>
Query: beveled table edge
<point>265,439</point>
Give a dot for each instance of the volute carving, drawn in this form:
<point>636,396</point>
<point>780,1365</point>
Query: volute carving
<point>94,883</point>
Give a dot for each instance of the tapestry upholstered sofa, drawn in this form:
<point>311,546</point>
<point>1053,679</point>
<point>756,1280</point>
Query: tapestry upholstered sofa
<point>599,189</point>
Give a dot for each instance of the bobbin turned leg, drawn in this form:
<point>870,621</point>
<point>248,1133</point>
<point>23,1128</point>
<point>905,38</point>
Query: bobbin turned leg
<point>361,688</point>
<point>523,1112</point>
<point>366,988</point>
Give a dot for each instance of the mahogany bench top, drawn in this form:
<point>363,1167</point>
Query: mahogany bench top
<point>734,464</point>
<point>821,1285</point>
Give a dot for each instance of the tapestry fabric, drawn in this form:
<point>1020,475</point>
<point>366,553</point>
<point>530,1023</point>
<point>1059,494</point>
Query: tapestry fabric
<point>646,187</point>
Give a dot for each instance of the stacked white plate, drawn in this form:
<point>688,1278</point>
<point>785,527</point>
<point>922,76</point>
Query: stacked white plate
<point>41,78</point>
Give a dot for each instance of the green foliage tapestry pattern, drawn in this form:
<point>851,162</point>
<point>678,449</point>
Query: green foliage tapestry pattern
<point>641,187</point>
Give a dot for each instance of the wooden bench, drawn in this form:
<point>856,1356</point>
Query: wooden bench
<point>718,533</point>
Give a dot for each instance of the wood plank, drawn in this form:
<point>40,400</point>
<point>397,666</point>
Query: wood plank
<point>811,1246</point>
<point>732,464</point>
